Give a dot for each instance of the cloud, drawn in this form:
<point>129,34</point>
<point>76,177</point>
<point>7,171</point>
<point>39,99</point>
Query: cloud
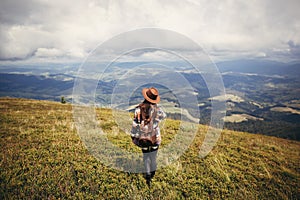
<point>44,52</point>
<point>32,29</point>
<point>294,49</point>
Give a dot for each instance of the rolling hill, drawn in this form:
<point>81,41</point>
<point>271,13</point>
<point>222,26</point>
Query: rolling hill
<point>42,157</point>
<point>262,96</point>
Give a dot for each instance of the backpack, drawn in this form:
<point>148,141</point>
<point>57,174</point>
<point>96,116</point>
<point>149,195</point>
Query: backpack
<point>143,132</point>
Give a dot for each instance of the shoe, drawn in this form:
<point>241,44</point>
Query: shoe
<point>152,174</point>
<point>148,181</point>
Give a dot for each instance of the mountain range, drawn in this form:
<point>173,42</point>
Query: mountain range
<point>261,96</point>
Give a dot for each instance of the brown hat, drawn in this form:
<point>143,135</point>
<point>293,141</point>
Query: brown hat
<point>151,95</point>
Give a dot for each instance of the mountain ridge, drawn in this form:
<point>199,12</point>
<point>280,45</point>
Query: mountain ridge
<point>269,91</point>
<point>260,95</point>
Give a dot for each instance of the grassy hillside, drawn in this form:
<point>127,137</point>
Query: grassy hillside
<point>42,157</point>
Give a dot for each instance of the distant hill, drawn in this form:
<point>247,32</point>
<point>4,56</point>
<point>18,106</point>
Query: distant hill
<point>32,86</point>
<point>42,157</point>
<point>268,92</point>
<point>260,67</point>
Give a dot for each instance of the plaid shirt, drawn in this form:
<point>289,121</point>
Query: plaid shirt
<point>160,115</point>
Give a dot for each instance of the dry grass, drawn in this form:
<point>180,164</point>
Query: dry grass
<point>42,157</point>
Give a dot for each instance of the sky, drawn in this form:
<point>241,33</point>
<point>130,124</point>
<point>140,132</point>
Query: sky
<point>67,31</point>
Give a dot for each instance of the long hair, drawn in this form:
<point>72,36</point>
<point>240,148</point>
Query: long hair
<point>147,110</point>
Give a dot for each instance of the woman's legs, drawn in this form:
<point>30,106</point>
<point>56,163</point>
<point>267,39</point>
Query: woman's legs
<point>149,158</point>
<point>153,165</point>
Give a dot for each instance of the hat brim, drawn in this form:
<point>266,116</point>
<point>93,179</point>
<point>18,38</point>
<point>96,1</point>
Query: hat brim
<point>148,99</point>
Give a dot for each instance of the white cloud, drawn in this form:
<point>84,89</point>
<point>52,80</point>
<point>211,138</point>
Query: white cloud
<point>44,52</point>
<point>34,28</point>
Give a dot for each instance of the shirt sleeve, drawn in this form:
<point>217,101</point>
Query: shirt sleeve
<point>136,119</point>
<point>160,114</point>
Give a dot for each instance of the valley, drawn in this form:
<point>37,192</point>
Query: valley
<point>264,98</point>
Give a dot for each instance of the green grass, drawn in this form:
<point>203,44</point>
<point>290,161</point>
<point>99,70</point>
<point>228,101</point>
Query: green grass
<point>42,157</point>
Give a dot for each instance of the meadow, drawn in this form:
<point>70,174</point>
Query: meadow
<point>42,157</point>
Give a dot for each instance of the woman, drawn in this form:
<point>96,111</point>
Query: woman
<point>145,130</point>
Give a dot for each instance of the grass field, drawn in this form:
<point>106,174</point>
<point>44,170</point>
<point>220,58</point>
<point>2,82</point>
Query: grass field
<point>42,157</point>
